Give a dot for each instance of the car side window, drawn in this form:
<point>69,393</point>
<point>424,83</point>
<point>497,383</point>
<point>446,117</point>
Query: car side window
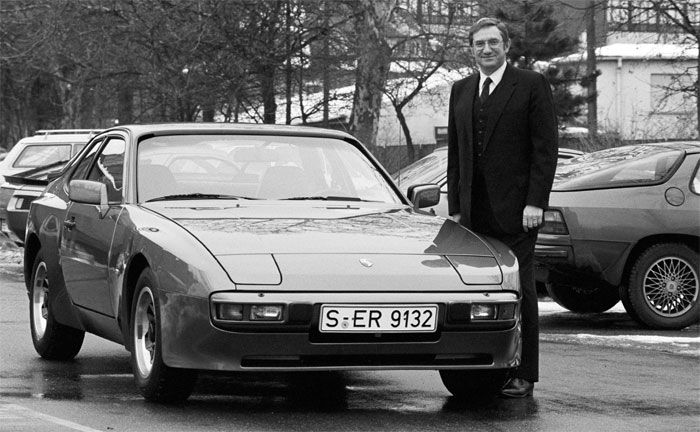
<point>109,168</point>
<point>83,165</point>
<point>695,181</point>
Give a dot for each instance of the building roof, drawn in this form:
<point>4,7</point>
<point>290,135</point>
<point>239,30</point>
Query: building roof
<point>629,51</point>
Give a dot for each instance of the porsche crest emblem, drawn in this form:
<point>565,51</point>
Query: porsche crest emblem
<point>365,262</point>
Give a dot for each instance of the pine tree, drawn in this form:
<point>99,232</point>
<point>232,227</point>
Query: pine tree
<point>537,37</point>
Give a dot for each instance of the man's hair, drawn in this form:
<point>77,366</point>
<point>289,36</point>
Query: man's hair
<point>488,22</point>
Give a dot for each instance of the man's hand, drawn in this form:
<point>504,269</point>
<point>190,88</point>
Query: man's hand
<point>456,217</point>
<point>532,217</point>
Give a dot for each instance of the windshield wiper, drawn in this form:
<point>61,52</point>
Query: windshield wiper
<point>198,195</point>
<point>326,198</point>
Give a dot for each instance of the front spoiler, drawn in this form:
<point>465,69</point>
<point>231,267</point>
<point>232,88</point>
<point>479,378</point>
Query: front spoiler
<point>191,341</point>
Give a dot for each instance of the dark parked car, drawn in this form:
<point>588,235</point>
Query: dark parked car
<point>624,224</point>
<point>278,249</point>
<point>433,169</point>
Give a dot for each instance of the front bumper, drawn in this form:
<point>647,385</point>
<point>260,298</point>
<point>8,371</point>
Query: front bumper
<point>190,339</point>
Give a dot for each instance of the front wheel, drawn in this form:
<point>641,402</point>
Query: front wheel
<point>664,287</point>
<point>156,381</point>
<point>583,300</point>
<point>52,340</point>
<point>477,386</point>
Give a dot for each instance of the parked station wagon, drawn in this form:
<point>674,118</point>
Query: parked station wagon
<point>21,171</point>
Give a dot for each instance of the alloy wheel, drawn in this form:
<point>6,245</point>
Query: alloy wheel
<point>145,332</point>
<point>40,296</point>
<point>671,286</point>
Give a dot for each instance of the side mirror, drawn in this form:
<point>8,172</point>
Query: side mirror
<point>424,195</point>
<point>89,192</point>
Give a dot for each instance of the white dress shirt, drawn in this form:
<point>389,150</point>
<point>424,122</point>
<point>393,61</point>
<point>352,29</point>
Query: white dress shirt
<point>495,78</point>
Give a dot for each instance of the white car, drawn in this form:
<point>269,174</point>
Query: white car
<point>45,147</point>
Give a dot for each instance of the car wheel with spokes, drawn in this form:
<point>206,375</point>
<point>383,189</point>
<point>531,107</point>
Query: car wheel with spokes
<point>52,340</point>
<point>664,286</point>
<point>156,381</point>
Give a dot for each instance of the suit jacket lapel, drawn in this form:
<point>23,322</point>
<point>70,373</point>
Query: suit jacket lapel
<point>497,101</point>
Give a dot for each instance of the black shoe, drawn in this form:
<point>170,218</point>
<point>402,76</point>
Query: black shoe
<point>517,388</point>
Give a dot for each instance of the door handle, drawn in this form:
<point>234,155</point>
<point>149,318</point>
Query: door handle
<point>69,224</point>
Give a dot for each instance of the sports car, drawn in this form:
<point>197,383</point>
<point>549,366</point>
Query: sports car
<point>223,247</point>
<point>624,224</point>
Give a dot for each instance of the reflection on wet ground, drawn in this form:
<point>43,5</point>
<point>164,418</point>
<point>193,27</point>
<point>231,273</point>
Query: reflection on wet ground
<point>109,378</point>
<point>85,377</point>
<point>341,392</point>
<point>390,400</point>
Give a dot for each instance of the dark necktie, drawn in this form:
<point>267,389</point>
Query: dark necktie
<point>485,89</point>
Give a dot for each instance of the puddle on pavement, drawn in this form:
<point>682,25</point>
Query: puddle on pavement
<point>90,377</point>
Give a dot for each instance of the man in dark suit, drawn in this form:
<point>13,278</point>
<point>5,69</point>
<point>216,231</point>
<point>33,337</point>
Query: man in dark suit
<point>502,154</point>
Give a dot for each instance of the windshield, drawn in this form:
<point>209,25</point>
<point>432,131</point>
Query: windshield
<point>40,155</point>
<point>257,167</point>
<point>429,169</point>
<point>617,167</point>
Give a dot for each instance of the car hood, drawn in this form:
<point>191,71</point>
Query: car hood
<point>250,239</point>
<point>325,228</point>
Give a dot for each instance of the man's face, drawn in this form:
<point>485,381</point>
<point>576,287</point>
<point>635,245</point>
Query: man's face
<point>489,49</point>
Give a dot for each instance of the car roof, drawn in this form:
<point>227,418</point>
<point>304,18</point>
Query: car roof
<point>232,128</point>
<point>59,136</point>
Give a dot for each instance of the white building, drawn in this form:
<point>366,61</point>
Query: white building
<point>637,89</point>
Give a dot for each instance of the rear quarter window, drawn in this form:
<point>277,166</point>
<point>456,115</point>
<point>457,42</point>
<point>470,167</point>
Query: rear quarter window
<point>39,155</point>
<point>581,174</point>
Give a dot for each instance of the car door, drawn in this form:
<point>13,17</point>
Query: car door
<point>87,233</point>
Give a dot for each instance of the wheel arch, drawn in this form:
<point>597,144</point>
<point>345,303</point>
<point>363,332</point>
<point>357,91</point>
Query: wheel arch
<point>691,241</point>
<point>133,270</point>
<point>32,246</point>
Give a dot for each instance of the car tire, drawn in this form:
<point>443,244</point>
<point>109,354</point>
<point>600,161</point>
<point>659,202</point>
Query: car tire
<point>474,386</point>
<point>156,381</point>
<point>52,340</point>
<point>583,299</point>
<point>625,299</point>
<point>664,286</point>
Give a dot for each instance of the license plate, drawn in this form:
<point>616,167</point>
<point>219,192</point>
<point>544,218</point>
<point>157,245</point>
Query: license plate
<point>378,318</point>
